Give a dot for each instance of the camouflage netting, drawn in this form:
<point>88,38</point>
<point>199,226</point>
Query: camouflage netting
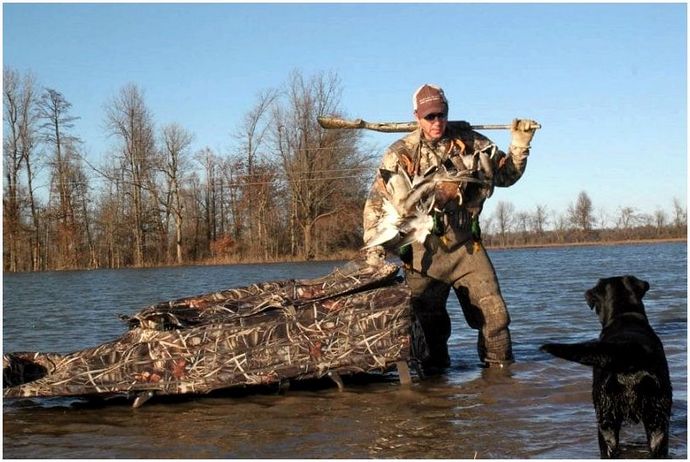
<point>355,319</point>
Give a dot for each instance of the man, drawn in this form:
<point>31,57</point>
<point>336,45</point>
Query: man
<point>452,255</point>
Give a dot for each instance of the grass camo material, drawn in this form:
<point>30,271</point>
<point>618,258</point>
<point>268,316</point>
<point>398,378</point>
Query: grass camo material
<point>355,319</point>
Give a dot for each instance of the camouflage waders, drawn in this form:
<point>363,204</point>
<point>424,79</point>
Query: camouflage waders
<point>468,270</point>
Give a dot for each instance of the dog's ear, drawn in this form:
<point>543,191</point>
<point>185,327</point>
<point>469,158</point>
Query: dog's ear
<point>637,286</point>
<point>595,294</point>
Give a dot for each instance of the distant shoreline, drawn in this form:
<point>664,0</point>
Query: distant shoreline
<point>346,255</point>
<point>589,243</point>
<point>352,254</point>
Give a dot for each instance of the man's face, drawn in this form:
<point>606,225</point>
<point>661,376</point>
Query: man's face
<point>433,125</point>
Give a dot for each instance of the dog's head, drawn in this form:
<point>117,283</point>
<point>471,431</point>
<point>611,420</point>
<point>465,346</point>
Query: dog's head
<point>614,296</point>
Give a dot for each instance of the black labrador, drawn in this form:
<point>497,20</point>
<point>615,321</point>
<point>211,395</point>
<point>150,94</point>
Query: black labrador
<point>631,381</point>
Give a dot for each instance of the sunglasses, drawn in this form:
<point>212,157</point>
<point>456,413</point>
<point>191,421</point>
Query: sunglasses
<point>437,115</point>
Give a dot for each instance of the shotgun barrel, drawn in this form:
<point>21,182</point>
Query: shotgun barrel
<point>398,127</point>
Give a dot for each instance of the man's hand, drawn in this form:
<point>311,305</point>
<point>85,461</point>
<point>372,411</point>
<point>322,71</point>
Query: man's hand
<point>376,256</point>
<point>522,131</point>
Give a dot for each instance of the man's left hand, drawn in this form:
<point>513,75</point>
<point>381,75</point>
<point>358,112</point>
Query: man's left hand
<point>522,131</point>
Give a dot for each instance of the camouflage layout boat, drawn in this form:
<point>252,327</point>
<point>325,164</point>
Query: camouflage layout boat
<point>355,319</point>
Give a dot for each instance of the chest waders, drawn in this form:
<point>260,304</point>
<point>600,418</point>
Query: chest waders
<point>454,257</point>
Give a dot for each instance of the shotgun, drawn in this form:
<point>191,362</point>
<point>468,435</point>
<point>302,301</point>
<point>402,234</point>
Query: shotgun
<point>397,127</point>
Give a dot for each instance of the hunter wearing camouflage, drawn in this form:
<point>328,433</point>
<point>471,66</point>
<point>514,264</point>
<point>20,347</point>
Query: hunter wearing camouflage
<point>452,255</point>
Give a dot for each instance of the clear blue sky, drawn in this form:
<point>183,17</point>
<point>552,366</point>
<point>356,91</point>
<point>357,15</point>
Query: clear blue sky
<point>608,82</point>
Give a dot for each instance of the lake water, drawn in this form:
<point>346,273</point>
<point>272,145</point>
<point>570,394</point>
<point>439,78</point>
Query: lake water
<point>539,408</point>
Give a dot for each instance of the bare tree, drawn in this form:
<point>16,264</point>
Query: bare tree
<point>581,215</point>
<point>175,142</point>
<point>539,219</point>
<point>210,163</point>
<point>82,198</point>
<point>522,225</point>
<point>487,229</point>
<point>113,235</point>
<point>660,220</point>
<point>561,226</point>
<point>627,218</point>
<point>196,218</point>
<point>503,214</point>
<point>257,179</point>
<point>29,140</point>
<point>19,145</point>
<point>12,161</point>
<point>680,214</point>
<point>231,171</point>
<point>53,111</point>
<point>318,164</point>
<point>130,121</point>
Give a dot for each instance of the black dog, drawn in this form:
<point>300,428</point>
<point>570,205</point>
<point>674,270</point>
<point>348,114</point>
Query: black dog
<point>631,381</point>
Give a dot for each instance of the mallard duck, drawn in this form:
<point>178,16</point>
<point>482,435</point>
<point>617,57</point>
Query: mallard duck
<point>407,211</point>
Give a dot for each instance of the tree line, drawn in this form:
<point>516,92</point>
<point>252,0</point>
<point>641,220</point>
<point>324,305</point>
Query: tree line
<point>287,190</point>
<point>581,223</point>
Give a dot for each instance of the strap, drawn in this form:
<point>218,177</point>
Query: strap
<point>405,158</point>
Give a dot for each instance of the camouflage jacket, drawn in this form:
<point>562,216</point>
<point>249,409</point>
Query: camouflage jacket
<point>460,148</point>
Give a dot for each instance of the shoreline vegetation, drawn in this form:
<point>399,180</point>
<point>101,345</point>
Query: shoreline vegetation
<point>348,254</point>
<point>351,254</point>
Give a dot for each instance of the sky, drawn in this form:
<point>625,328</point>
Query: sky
<point>607,82</point>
